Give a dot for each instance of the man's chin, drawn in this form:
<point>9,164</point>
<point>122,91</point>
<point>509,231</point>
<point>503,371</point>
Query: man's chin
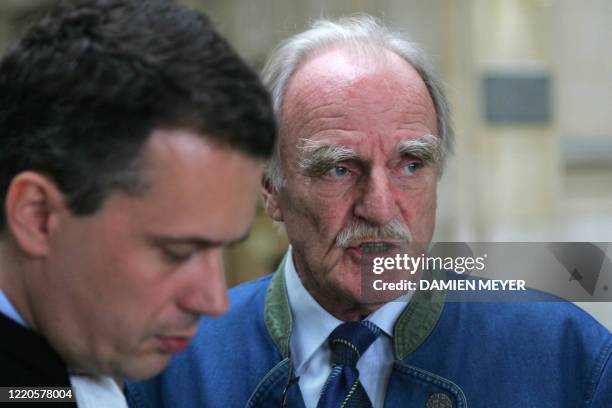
<point>142,367</point>
<point>355,305</point>
<point>352,292</point>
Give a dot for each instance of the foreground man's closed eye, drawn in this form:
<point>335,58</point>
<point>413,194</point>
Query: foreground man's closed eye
<point>364,132</point>
<point>133,140</point>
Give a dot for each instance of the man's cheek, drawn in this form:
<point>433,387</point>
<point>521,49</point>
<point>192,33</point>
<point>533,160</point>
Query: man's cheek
<point>331,218</point>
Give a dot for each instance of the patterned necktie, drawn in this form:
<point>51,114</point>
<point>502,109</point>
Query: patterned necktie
<point>348,342</point>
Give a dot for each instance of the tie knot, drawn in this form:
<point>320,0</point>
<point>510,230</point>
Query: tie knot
<point>350,340</point>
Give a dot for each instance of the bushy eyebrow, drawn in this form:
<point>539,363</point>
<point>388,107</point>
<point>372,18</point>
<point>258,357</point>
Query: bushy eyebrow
<point>316,157</point>
<point>426,148</point>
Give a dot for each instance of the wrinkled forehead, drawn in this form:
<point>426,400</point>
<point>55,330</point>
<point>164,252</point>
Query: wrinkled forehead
<point>344,100</point>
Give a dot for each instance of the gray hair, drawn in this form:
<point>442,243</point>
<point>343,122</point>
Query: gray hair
<point>362,34</point>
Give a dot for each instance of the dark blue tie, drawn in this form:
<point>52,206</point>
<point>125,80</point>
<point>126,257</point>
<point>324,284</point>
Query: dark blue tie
<point>348,342</point>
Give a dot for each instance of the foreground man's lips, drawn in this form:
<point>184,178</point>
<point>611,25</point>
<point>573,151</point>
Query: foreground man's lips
<point>173,344</point>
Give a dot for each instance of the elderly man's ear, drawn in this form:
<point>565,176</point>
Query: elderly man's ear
<point>271,200</point>
<point>33,205</point>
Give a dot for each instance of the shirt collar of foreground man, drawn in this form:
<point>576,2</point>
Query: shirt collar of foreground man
<point>133,142</point>
<point>89,390</point>
<point>364,133</point>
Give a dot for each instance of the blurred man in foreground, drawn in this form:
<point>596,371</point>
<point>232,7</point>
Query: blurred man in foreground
<point>133,139</point>
<point>364,132</point>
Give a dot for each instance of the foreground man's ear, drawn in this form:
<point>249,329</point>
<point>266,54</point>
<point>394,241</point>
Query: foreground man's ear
<point>271,200</point>
<point>32,206</point>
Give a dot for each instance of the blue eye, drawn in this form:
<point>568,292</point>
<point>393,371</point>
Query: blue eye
<point>411,168</point>
<point>339,172</point>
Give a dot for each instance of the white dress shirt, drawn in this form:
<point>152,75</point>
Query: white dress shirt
<point>310,351</point>
<point>97,392</point>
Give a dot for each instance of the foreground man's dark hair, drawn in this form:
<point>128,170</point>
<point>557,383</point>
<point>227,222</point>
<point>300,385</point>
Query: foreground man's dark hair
<point>83,90</point>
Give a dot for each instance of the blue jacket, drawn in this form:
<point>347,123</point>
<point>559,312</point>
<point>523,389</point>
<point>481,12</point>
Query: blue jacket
<point>453,354</point>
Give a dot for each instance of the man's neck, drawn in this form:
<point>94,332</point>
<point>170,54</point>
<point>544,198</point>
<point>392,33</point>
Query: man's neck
<point>342,309</point>
<point>340,306</point>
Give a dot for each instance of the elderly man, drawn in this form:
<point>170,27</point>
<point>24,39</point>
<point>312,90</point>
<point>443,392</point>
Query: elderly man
<point>364,133</point>
<point>133,142</point>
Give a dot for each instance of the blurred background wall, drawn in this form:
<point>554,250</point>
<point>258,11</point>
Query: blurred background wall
<point>530,85</point>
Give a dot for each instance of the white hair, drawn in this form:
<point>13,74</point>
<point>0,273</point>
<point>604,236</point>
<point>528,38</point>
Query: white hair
<point>362,35</point>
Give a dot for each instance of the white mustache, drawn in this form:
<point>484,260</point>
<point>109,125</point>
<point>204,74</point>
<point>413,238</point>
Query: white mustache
<point>361,231</point>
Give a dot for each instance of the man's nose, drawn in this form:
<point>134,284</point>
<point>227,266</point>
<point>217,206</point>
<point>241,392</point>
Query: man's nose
<point>207,293</point>
<point>376,202</point>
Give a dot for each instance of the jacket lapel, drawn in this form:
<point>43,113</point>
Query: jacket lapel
<point>279,387</point>
<point>410,386</point>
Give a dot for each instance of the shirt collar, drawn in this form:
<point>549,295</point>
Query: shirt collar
<point>7,308</point>
<point>96,391</point>
<point>312,324</point>
<point>386,316</point>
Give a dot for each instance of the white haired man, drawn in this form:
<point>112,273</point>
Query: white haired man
<point>364,132</point>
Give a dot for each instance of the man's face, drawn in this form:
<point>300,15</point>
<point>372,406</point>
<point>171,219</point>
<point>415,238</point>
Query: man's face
<point>123,288</point>
<point>359,165</point>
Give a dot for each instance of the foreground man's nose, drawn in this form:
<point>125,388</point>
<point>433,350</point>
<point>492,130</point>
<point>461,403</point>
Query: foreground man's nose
<point>208,292</point>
